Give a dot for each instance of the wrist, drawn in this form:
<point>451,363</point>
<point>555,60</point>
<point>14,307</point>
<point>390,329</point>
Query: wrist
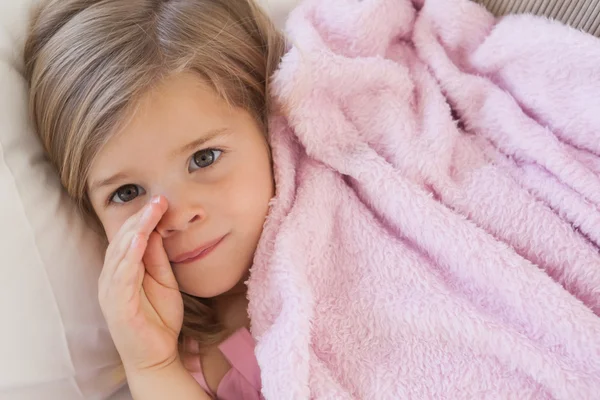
<point>146,368</point>
<point>166,367</point>
<point>171,380</point>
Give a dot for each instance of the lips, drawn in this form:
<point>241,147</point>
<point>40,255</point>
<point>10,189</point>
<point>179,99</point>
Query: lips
<point>198,253</point>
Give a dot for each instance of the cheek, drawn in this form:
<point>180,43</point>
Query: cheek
<point>110,233</point>
<point>111,225</point>
<point>247,193</point>
<point>258,191</point>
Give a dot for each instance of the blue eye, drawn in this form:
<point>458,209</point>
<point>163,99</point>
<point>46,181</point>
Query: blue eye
<point>204,158</point>
<point>126,193</point>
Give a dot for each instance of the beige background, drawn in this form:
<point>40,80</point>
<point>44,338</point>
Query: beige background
<point>581,14</point>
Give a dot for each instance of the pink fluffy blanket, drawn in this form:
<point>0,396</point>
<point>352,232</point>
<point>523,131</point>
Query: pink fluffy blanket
<point>436,228</point>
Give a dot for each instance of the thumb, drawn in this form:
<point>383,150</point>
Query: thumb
<point>157,262</point>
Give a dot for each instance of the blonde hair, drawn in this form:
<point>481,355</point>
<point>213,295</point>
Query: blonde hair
<point>88,61</point>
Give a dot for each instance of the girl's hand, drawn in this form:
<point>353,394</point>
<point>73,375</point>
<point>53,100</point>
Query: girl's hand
<point>139,295</point>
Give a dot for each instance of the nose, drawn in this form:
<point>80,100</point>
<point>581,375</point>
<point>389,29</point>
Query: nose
<point>181,214</point>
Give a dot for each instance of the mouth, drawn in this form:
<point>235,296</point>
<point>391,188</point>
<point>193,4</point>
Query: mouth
<point>198,253</point>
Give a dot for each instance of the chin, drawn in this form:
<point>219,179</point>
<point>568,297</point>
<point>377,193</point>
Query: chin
<point>205,293</point>
<point>207,287</point>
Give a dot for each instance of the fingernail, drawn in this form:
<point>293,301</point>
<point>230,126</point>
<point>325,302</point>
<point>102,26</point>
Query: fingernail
<point>155,200</point>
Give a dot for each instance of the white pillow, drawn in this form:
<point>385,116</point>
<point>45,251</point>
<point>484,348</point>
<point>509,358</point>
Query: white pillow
<point>278,9</point>
<point>54,343</point>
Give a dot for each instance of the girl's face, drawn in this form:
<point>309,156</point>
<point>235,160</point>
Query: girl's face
<point>210,162</point>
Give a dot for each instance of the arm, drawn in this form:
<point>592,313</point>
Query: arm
<point>170,382</point>
<point>142,305</point>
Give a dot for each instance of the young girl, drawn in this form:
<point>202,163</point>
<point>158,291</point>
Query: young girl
<point>154,113</point>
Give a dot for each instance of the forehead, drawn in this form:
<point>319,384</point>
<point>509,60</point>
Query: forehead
<point>166,117</point>
<point>180,104</point>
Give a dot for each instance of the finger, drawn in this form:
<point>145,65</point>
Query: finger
<point>157,262</point>
<point>122,239</point>
<point>128,276</point>
<point>137,238</point>
<point>126,243</point>
<point>112,260</point>
<point>142,222</point>
<point>151,216</point>
<point>123,284</point>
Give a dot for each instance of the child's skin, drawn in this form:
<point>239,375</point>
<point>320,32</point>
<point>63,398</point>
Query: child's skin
<point>168,202</point>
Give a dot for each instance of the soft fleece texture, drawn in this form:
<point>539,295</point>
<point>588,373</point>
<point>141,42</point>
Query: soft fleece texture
<point>436,228</point>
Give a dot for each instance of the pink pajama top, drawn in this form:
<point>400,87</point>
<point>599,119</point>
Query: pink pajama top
<point>242,381</point>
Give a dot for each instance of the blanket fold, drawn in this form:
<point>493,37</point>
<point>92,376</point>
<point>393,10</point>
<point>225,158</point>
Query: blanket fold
<point>436,228</point>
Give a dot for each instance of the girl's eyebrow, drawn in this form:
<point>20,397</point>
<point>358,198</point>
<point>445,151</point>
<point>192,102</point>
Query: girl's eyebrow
<point>207,136</point>
<point>107,181</point>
